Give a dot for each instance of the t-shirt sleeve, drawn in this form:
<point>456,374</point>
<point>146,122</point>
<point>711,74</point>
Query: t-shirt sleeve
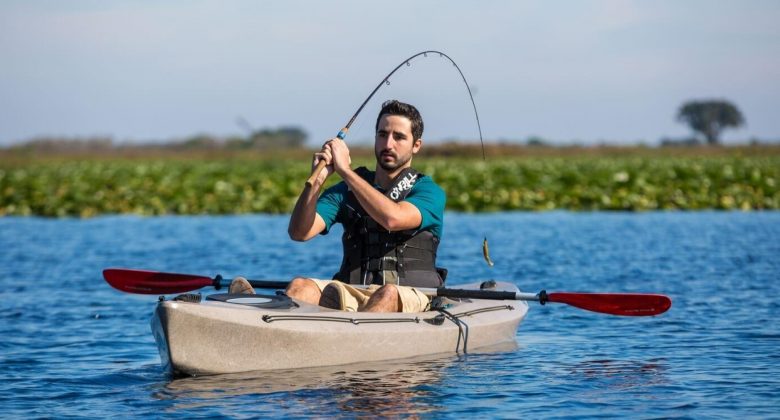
<point>329,203</point>
<point>430,199</point>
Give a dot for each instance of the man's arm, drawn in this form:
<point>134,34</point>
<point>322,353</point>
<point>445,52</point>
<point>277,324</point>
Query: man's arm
<point>391,215</point>
<point>305,223</point>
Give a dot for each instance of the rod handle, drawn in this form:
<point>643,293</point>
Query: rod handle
<point>321,165</point>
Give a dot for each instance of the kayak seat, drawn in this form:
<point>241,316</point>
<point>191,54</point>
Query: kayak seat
<point>488,285</point>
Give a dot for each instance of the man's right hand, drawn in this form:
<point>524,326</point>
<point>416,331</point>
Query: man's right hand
<point>327,155</point>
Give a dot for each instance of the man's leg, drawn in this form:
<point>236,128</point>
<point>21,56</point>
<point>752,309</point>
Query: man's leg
<point>304,289</point>
<point>392,298</point>
<point>385,299</point>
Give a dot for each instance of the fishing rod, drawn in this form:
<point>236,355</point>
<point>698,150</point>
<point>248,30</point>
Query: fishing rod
<point>386,81</point>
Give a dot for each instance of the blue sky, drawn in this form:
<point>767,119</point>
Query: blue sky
<point>591,71</point>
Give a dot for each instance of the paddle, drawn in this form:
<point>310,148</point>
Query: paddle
<point>625,304</point>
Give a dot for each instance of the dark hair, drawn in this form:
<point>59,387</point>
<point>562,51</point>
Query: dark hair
<point>394,107</point>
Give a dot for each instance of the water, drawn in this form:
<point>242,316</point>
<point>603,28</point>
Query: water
<point>72,346</point>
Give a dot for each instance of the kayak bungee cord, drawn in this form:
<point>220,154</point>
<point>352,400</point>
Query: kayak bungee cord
<point>463,327</point>
<point>386,81</point>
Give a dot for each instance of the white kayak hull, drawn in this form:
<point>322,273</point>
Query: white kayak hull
<point>213,337</point>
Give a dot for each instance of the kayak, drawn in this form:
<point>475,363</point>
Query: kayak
<point>230,333</point>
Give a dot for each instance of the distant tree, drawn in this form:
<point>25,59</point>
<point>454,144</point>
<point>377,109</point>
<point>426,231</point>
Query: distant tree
<point>285,137</point>
<point>536,141</point>
<point>292,137</point>
<point>281,138</point>
<point>200,141</point>
<point>710,117</point>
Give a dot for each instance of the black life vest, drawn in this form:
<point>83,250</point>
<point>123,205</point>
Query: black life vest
<point>372,254</point>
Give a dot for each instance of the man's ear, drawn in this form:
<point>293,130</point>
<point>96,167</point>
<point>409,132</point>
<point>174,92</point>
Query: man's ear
<point>417,145</point>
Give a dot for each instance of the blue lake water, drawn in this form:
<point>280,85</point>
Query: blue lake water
<point>72,346</point>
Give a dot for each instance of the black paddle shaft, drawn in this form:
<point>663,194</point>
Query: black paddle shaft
<point>475,294</point>
<point>219,282</point>
<point>441,291</point>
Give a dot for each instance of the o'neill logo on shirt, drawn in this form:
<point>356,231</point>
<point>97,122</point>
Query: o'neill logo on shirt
<point>404,184</point>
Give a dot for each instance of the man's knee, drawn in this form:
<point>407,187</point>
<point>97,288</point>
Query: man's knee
<point>303,289</point>
<point>387,292</point>
<point>384,299</point>
<point>300,283</point>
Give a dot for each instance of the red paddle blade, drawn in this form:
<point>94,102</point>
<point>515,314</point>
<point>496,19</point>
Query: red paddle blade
<point>626,304</point>
<point>153,282</point>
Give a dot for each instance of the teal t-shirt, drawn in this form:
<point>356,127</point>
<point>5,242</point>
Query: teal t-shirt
<point>428,197</point>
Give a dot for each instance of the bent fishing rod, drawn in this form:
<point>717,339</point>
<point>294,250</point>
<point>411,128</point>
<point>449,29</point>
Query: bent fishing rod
<point>386,81</point>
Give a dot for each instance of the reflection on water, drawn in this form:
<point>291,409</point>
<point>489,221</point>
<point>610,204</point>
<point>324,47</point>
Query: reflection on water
<point>387,388</point>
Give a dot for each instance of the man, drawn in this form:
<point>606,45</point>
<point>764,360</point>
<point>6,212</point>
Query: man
<point>392,217</point>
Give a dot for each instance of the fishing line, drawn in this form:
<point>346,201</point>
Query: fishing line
<point>386,82</point>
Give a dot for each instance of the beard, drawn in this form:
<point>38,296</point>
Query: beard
<point>398,162</point>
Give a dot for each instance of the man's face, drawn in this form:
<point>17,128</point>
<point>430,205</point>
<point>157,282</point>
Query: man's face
<point>394,144</point>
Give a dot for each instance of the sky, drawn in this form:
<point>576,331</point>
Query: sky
<point>587,71</point>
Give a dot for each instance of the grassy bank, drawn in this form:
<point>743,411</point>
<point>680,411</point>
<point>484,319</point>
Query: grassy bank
<point>615,179</point>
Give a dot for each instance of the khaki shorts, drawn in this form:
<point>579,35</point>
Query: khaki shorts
<point>353,298</point>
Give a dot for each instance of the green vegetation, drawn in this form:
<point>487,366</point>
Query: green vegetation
<point>90,187</point>
<point>637,179</point>
<point>632,183</point>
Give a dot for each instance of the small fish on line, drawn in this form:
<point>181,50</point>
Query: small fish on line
<point>486,252</point>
